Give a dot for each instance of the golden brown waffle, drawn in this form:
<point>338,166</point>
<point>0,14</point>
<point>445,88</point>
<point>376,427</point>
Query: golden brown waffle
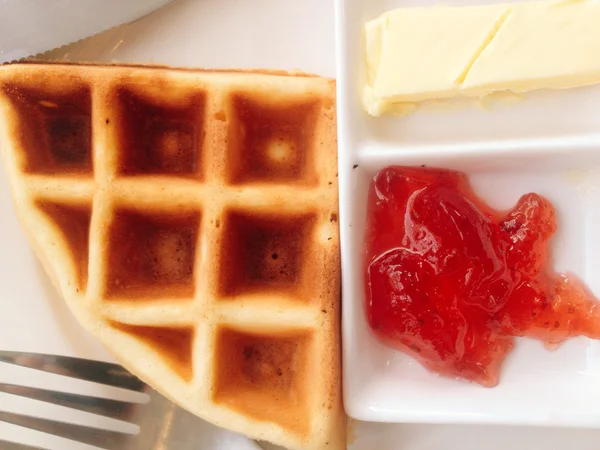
<point>189,219</point>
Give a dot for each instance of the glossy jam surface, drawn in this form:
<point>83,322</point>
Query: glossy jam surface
<point>451,281</point>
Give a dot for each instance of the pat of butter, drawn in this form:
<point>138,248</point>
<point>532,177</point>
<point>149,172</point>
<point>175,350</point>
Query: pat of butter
<point>419,54</point>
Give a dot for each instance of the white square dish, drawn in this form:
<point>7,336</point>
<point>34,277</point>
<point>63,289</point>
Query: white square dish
<point>547,143</point>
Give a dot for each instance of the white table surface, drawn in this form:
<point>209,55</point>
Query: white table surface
<point>287,34</point>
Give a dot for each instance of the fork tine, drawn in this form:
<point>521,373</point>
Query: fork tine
<point>87,435</point>
<point>6,445</point>
<point>114,409</point>
<point>83,369</point>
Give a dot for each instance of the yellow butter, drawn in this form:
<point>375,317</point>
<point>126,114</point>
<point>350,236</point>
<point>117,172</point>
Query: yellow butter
<point>419,54</point>
<point>555,47</point>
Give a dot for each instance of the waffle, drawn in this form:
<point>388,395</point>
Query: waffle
<point>189,220</point>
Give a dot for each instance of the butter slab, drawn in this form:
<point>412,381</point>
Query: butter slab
<point>415,55</point>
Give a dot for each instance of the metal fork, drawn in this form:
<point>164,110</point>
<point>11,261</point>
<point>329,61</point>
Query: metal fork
<point>162,424</point>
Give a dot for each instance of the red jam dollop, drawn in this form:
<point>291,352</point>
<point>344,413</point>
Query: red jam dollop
<point>451,281</point>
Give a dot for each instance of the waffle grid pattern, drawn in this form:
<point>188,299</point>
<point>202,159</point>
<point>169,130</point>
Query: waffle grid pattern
<point>205,210</point>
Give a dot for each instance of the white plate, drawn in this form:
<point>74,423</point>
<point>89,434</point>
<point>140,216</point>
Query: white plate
<point>213,33</point>
<point>547,143</point>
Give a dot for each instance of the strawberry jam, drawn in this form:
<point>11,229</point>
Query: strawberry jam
<point>451,281</point>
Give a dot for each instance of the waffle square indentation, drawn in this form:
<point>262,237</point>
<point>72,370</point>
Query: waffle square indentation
<point>265,376</point>
<point>54,128</point>
<point>160,136</point>
<point>272,142</point>
<point>265,253</point>
<point>73,223</point>
<point>173,344</point>
<point>151,254</point>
